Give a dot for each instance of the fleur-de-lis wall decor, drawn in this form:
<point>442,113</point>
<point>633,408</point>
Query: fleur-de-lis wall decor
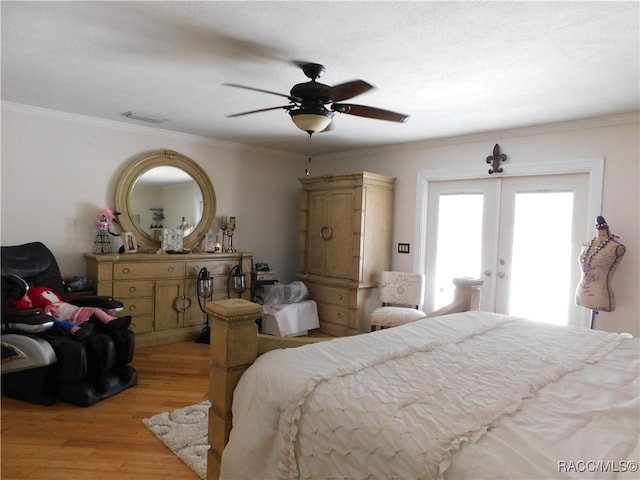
<point>495,159</point>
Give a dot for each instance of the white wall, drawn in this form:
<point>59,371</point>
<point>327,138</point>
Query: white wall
<point>59,171</point>
<point>615,138</point>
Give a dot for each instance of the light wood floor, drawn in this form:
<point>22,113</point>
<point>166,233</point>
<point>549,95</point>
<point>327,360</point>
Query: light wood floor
<point>108,439</point>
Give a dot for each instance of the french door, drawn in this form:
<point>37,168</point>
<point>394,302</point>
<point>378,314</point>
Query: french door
<point>521,235</point>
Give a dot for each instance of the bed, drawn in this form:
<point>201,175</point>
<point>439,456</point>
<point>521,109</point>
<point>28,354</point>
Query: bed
<point>465,395</point>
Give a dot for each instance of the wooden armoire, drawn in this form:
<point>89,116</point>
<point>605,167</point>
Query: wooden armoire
<point>345,236</point>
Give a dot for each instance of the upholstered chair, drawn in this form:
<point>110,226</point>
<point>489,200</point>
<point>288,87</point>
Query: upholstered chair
<point>402,295</point>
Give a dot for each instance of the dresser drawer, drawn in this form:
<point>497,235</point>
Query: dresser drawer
<point>137,306</point>
<point>142,323</point>
<point>215,267</point>
<point>154,270</point>
<point>104,289</point>
<point>142,288</point>
<point>333,295</point>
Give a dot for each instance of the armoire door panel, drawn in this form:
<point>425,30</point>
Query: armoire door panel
<point>340,252</point>
<point>318,219</point>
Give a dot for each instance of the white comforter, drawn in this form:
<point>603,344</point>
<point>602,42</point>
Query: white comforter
<point>471,395</point>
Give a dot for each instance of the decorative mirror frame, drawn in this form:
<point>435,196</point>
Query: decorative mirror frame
<point>164,158</point>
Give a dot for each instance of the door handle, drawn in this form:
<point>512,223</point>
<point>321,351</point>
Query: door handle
<point>487,273</point>
<point>179,304</point>
<point>326,233</point>
<point>501,275</point>
<point>189,303</point>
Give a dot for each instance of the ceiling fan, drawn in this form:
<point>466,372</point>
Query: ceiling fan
<point>312,104</point>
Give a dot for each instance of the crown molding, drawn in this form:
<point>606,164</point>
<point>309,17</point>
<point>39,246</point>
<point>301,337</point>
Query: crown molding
<point>543,129</point>
<point>137,129</point>
<point>581,124</point>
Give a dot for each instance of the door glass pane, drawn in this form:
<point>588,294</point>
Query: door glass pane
<point>541,263</point>
<point>459,244</point>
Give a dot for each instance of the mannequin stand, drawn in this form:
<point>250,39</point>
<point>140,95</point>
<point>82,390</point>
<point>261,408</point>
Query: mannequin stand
<point>593,317</point>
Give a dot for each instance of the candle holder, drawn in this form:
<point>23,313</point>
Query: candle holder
<point>230,229</point>
<point>223,228</point>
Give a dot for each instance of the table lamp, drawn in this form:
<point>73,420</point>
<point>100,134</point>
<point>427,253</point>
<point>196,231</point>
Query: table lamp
<point>236,280</point>
<point>205,290</point>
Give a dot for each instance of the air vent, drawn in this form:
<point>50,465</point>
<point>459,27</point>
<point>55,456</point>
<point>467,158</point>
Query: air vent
<point>143,117</point>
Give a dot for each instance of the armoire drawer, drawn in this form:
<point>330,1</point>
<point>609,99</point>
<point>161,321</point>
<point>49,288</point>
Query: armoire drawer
<point>142,288</point>
<point>333,295</point>
<point>334,314</point>
<point>154,270</point>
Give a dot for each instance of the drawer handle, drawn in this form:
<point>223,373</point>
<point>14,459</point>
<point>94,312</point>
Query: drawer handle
<point>339,316</point>
<point>132,308</point>
<point>125,270</point>
<point>132,289</point>
<point>177,303</point>
<point>326,233</point>
<point>170,269</point>
<point>340,296</point>
<point>180,304</point>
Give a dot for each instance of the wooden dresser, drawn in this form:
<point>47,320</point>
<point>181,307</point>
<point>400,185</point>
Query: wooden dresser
<point>159,290</point>
<point>346,224</point>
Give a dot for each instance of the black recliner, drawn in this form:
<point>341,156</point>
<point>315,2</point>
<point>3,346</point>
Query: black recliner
<point>42,364</point>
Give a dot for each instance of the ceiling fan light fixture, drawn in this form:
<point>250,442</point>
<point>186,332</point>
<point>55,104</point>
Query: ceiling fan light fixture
<point>311,122</point>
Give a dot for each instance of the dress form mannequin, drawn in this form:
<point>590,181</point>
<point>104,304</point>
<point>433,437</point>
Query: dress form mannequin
<point>599,260</point>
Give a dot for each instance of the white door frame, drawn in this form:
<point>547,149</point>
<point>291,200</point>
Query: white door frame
<point>594,166</point>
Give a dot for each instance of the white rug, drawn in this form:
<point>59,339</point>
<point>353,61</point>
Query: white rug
<point>185,431</point>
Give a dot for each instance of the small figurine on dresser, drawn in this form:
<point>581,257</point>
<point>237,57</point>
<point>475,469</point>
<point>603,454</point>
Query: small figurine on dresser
<point>102,243</point>
<point>599,260</point>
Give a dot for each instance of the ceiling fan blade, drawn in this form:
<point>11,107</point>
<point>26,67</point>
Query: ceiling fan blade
<point>285,107</point>
<point>369,112</point>
<point>347,90</point>
<point>293,99</point>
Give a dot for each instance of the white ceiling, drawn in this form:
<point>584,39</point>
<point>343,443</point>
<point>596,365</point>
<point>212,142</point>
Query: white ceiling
<point>454,67</point>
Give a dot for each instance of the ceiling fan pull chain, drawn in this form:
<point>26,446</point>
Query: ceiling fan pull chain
<point>307,171</point>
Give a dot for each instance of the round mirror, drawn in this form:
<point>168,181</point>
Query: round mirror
<point>165,189</point>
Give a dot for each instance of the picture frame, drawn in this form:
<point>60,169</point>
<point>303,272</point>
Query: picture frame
<point>172,240</point>
<point>210,243</point>
<point>129,242</point>
<point>157,234</point>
